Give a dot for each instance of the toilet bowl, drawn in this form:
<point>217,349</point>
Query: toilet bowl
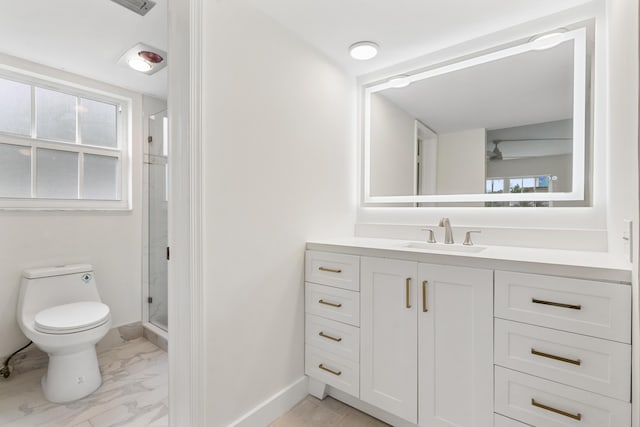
<point>60,310</point>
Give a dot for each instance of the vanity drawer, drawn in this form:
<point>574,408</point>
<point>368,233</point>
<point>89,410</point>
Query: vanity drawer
<point>339,270</point>
<point>335,371</point>
<point>588,363</point>
<point>335,337</point>
<point>333,303</point>
<point>582,306</point>
<point>502,421</point>
<point>544,403</point>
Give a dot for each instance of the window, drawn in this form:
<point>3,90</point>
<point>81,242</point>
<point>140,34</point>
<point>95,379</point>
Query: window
<point>522,184</point>
<point>61,147</point>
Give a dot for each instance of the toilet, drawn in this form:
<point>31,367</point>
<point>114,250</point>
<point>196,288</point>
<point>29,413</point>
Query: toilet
<point>60,310</point>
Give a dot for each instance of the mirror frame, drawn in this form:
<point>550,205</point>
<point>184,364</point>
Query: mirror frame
<point>579,134</point>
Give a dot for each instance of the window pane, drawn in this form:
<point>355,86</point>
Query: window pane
<point>15,107</point>
<point>57,174</point>
<point>55,115</point>
<point>15,171</point>
<point>98,123</point>
<point>100,177</point>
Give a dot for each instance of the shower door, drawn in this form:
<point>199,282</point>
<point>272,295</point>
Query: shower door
<point>156,162</point>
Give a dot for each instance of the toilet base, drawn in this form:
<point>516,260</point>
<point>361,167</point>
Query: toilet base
<point>71,376</point>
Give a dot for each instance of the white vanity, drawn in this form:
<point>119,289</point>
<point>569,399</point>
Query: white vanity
<point>501,336</point>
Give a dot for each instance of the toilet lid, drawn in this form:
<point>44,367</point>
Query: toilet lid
<point>74,317</point>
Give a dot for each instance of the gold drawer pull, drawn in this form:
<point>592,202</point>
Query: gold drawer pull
<point>556,304</point>
<point>323,335</point>
<point>324,368</point>
<point>330,270</point>
<point>408,292</point>
<point>424,296</point>
<point>554,357</point>
<point>332,304</point>
<point>577,416</point>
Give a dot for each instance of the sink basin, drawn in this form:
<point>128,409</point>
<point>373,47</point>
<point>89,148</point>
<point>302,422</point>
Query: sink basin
<point>441,247</point>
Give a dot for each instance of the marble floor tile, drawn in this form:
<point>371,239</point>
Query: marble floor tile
<point>312,412</point>
<point>133,393</point>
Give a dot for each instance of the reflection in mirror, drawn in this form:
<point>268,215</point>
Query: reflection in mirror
<point>503,129</point>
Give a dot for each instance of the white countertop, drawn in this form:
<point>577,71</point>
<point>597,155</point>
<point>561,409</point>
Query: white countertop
<point>580,264</point>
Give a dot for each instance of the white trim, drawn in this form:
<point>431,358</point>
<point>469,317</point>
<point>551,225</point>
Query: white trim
<point>579,40</point>
<point>275,406</point>
<point>187,346</point>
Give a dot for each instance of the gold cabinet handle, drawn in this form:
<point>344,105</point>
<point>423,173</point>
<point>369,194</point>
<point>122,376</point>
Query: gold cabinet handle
<point>408,292</point>
<point>323,335</point>
<point>556,304</point>
<point>332,304</point>
<point>424,296</point>
<point>554,357</point>
<point>577,416</point>
<point>324,368</point>
<point>330,270</point>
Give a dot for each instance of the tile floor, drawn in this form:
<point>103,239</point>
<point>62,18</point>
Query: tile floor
<point>134,393</point>
<point>329,412</point>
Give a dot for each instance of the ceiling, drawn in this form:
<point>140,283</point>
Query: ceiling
<point>527,88</point>
<point>85,37</point>
<point>404,29</point>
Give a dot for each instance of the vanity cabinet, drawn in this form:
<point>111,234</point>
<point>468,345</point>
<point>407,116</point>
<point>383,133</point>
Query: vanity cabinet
<point>455,330</point>
<point>426,342</point>
<point>562,351</point>
<point>388,334</point>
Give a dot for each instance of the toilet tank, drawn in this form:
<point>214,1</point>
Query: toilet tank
<point>42,288</point>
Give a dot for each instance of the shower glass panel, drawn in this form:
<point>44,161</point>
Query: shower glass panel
<point>158,229</point>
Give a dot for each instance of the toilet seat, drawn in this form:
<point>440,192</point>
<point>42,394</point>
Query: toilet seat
<point>70,318</point>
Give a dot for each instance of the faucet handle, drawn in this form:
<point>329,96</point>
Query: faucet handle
<point>431,238</point>
<point>467,237</point>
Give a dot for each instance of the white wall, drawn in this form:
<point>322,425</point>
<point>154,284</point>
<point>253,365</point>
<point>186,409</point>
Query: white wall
<point>392,149</point>
<point>461,164</point>
<point>279,169</point>
<point>110,241</point>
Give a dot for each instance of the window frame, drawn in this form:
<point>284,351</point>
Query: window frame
<point>122,152</point>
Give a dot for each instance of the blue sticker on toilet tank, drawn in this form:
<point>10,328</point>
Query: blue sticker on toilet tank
<point>86,278</point>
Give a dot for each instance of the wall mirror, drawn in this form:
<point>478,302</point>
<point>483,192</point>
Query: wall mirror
<point>505,128</point>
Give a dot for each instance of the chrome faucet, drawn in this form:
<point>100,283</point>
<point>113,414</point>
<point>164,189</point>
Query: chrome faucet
<point>448,235</point>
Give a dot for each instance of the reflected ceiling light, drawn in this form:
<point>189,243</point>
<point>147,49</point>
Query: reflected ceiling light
<point>363,50</point>
<point>549,40</point>
<point>398,82</point>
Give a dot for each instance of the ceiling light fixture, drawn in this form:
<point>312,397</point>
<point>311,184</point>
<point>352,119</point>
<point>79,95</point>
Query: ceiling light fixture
<point>144,58</point>
<point>139,64</point>
<point>363,51</point>
<point>548,40</point>
<point>398,82</point>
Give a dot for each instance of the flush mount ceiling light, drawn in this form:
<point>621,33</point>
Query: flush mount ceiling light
<point>398,82</point>
<point>548,40</point>
<point>363,50</point>
<point>144,58</point>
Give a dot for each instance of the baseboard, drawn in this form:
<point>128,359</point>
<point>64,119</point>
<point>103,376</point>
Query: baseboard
<point>275,406</point>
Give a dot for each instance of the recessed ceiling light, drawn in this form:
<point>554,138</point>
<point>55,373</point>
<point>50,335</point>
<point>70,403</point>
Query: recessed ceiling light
<point>398,82</point>
<point>549,40</point>
<point>363,50</point>
<point>139,64</point>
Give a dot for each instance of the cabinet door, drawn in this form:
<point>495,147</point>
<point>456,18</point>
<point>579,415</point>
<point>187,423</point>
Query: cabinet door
<point>388,331</point>
<point>455,327</point>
